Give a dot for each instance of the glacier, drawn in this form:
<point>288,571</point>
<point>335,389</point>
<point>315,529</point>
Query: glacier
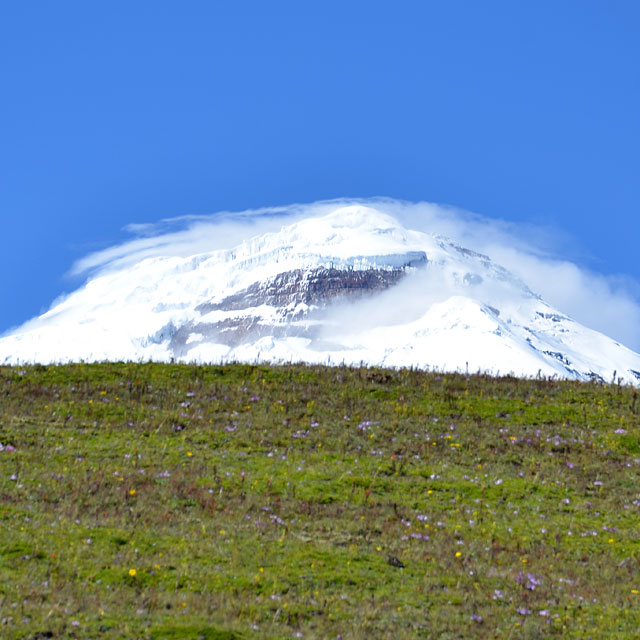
<point>352,286</point>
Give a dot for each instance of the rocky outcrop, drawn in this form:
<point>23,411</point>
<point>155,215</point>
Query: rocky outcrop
<point>296,295</point>
<point>312,287</point>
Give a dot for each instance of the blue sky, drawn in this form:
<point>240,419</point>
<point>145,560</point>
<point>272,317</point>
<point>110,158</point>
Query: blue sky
<point>122,112</point>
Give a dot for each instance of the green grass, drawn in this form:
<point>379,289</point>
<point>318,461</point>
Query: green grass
<point>176,501</point>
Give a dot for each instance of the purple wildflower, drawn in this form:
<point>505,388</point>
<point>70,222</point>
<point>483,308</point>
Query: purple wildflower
<point>529,581</point>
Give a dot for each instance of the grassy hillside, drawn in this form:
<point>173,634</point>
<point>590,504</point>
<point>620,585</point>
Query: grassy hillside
<point>174,501</point>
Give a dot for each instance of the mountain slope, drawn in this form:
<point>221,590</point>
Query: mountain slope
<point>352,286</point>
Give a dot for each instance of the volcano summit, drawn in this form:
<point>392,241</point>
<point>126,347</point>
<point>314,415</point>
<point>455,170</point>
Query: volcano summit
<point>348,287</point>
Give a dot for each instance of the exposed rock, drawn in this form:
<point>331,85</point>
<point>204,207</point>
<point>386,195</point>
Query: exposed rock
<point>313,287</point>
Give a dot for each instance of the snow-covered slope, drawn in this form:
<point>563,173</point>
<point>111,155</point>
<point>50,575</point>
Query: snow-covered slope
<point>352,286</point>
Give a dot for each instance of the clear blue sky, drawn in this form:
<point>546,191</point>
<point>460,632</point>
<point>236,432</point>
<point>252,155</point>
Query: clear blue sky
<point>118,112</point>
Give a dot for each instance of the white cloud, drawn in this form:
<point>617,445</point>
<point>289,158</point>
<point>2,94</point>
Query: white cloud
<point>607,304</point>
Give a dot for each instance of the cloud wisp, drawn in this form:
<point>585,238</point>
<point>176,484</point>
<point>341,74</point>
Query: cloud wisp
<point>534,254</point>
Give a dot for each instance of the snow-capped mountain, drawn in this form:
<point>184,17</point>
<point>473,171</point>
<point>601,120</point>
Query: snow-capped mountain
<point>352,286</point>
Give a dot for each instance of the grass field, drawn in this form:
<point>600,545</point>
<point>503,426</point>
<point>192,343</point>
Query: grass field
<point>176,501</point>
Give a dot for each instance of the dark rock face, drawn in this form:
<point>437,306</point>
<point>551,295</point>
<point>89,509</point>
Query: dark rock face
<point>315,288</point>
<point>232,332</point>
